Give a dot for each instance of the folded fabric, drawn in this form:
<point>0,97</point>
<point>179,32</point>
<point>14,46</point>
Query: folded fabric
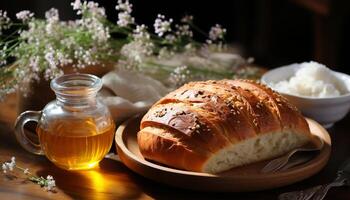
<point>127,93</point>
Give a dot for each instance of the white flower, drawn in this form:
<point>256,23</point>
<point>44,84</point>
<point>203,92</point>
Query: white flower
<point>187,19</point>
<point>63,59</point>
<point>140,29</point>
<point>216,32</point>
<point>209,41</point>
<point>52,15</point>
<point>4,21</point>
<point>124,16</point>
<point>3,55</point>
<point>141,33</point>
<point>135,51</point>
<point>34,63</point>
<point>50,183</point>
<point>124,6</point>
<point>24,15</point>
<point>52,19</point>
<point>26,171</point>
<point>76,5</point>
<point>161,26</point>
<point>86,56</point>
<point>9,165</point>
<point>95,10</point>
<point>3,17</point>
<point>4,168</point>
<point>124,19</point>
<point>12,164</point>
<point>184,30</point>
<point>100,33</point>
<point>91,7</point>
<point>52,71</point>
<point>49,57</point>
<point>180,75</point>
<point>50,28</point>
<point>170,38</point>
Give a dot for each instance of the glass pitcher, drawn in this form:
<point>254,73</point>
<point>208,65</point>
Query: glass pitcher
<point>76,130</point>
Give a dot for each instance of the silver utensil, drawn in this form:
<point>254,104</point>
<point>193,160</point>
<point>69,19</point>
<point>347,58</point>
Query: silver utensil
<point>298,160</point>
<point>300,195</point>
<point>280,162</point>
<point>320,191</point>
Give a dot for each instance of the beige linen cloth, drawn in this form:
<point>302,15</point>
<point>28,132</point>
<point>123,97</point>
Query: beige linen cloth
<point>128,93</point>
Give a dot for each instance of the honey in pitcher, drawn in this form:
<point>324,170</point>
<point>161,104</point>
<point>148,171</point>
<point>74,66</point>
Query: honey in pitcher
<point>76,144</point>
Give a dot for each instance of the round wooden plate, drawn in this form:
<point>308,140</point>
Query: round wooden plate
<point>246,178</point>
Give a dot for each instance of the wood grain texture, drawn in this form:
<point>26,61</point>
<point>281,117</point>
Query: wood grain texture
<point>112,180</point>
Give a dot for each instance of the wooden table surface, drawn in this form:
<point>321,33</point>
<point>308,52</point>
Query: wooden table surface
<point>112,180</point>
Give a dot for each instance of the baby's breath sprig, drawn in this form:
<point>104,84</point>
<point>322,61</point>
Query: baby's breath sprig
<point>41,48</point>
<point>48,183</point>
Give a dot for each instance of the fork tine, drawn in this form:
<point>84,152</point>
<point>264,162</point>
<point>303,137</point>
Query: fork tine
<point>272,165</point>
<point>278,168</point>
<point>278,163</point>
<point>298,161</point>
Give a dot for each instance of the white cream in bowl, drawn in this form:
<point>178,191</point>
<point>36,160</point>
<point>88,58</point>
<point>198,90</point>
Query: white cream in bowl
<point>312,79</point>
<point>317,91</point>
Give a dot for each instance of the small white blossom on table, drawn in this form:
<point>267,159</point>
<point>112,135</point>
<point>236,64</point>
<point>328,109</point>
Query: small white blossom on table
<point>49,183</point>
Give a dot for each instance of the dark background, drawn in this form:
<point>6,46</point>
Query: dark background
<point>274,32</point>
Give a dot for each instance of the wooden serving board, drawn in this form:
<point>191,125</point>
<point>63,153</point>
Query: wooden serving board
<point>241,179</point>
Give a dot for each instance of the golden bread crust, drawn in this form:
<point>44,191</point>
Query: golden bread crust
<point>190,124</point>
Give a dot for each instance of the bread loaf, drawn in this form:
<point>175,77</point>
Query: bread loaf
<point>214,126</point>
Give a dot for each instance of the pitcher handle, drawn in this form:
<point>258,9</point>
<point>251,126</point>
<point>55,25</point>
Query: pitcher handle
<point>25,142</point>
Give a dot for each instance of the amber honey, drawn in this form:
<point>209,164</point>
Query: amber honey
<point>76,144</point>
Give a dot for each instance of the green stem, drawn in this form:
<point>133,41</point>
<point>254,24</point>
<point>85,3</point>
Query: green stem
<point>38,180</point>
<point>198,30</point>
<point>22,169</point>
<point>196,70</point>
<point>10,35</point>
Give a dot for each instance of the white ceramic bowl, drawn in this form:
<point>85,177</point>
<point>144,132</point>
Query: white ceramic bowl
<point>326,111</point>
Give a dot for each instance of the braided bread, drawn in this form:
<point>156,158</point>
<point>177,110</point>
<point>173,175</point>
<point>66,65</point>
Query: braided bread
<point>213,126</point>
